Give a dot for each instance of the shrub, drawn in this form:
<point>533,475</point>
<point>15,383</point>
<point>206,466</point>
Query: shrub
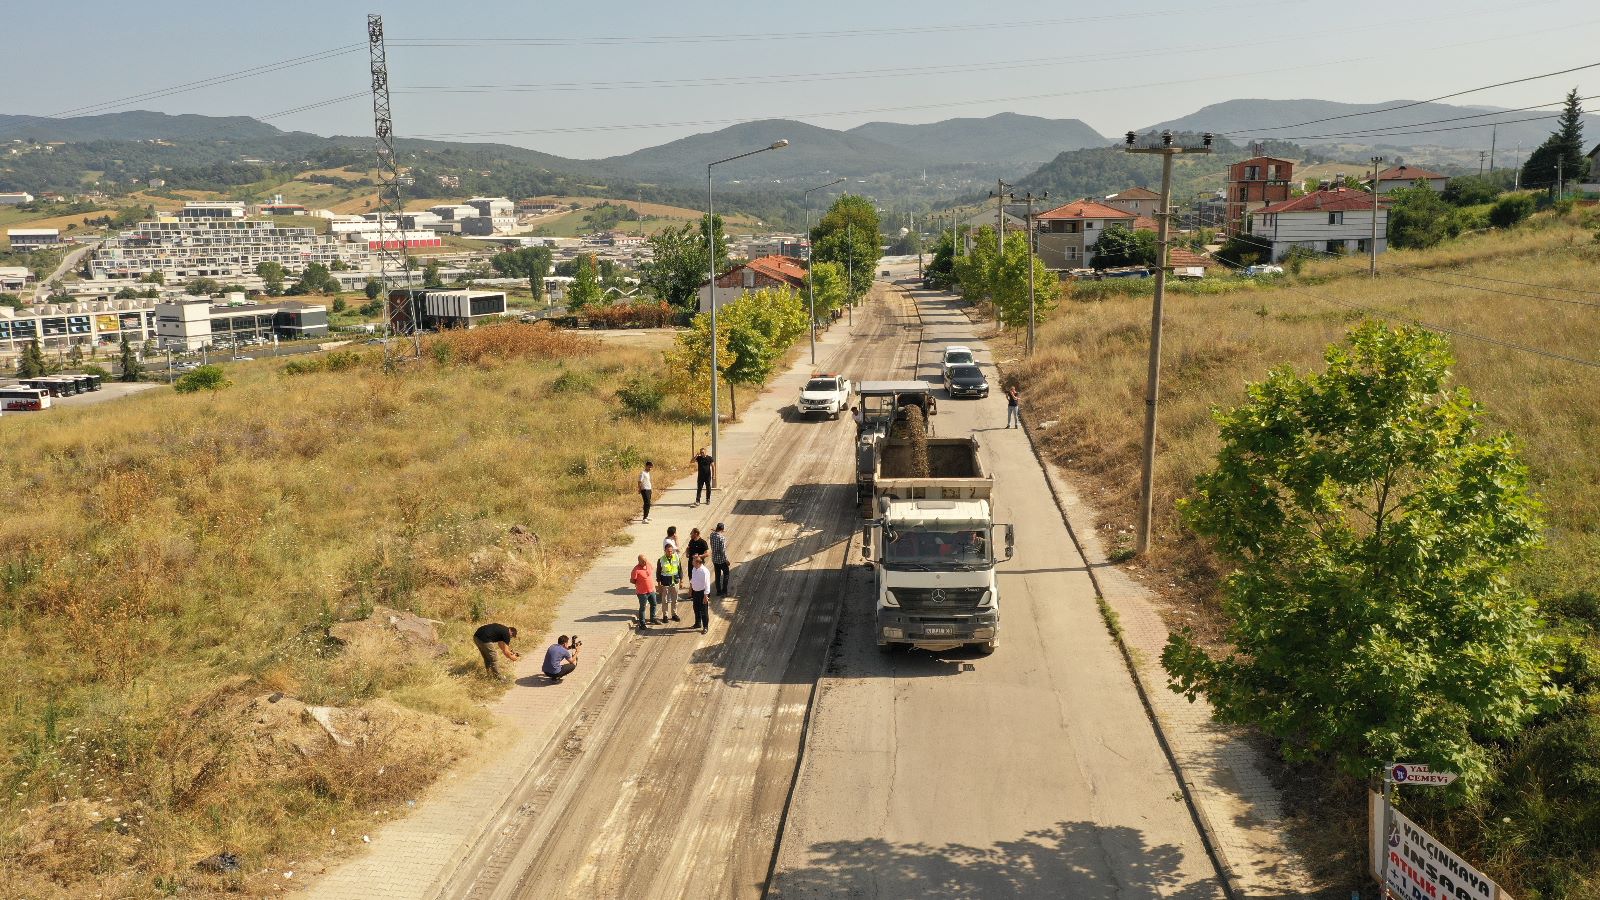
<point>573,381</point>
<point>630,315</point>
<point>1509,210</point>
<point>97,370</point>
<point>206,378</point>
<point>641,395</point>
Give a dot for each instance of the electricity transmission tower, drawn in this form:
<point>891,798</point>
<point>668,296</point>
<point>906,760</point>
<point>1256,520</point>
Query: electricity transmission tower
<point>401,318</point>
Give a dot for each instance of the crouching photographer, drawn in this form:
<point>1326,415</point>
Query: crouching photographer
<point>562,658</point>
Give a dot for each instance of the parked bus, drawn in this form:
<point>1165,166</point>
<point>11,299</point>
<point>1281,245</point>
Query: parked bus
<point>57,385</point>
<point>22,397</point>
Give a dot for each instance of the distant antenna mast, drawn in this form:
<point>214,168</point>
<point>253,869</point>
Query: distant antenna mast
<point>401,318</point>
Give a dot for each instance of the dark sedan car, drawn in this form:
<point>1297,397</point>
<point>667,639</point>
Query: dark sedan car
<point>966,381</point>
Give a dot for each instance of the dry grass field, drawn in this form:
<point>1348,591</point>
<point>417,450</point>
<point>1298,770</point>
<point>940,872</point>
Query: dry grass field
<point>1089,375</point>
<point>170,566</point>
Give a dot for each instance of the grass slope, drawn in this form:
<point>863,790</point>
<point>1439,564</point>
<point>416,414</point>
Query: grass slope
<point>1089,373</point>
<point>169,562</point>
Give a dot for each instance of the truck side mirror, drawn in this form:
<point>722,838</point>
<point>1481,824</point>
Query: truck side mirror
<point>1011,541</point>
<point>866,541</point>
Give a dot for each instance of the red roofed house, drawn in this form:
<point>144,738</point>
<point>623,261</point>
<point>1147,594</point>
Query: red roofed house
<point>1252,184</point>
<point>1141,201</point>
<point>761,272</point>
<point>1395,178</point>
<point>1330,221</point>
<point>1065,237</point>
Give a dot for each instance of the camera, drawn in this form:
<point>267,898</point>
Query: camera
<point>576,642</point>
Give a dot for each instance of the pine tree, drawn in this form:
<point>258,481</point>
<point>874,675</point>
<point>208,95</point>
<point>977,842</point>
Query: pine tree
<point>132,368</point>
<point>32,364</point>
<point>1564,146</point>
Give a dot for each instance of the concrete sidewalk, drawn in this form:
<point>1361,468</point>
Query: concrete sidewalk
<point>412,857</point>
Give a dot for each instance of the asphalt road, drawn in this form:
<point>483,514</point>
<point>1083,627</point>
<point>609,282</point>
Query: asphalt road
<point>67,264</point>
<point>1033,772</point>
<point>677,766</point>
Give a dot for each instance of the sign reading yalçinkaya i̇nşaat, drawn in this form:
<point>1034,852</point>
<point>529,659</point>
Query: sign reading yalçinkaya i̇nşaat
<point>1413,866</point>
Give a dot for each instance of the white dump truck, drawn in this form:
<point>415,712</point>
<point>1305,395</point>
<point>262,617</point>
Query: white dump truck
<point>933,544</point>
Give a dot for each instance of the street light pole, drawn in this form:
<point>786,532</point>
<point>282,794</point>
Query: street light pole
<point>811,255</point>
<point>1372,246</point>
<point>1153,376</point>
<point>850,274</point>
<point>711,286</point>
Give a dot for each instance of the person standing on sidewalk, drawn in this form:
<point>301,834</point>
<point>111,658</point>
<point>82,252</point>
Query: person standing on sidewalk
<point>644,587</point>
<point>1013,407</point>
<point>705,468</point>
<point>646,489</point>
<point>719,559</point>
<point>671,540</point>
<point>697,545</point>
<point>699,587</point>
<point>491,636</point>
<point>669,575</point>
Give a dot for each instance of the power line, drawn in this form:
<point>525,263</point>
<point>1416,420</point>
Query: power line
<point>359,95</point>
<point>887,31</point>
<point>1380,131</point>
<point>1413,103</point>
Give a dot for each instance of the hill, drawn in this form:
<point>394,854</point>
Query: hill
<point>813,151</point>
<point>1005,138</point>
<point>143,125</point>
<point>1245,119</point>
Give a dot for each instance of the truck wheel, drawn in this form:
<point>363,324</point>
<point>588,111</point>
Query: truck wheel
<point>833,416</point>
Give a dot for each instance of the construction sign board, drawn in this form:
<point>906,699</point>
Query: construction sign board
<point>1411,865</point>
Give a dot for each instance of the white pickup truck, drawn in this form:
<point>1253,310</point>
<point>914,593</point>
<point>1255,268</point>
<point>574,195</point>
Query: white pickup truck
<point>825,394</point>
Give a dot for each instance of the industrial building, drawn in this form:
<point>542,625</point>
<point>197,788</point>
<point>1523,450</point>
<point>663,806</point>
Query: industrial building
<point>190,323</point>
<point>440,310</point>
<point>33,238</point>
<point>212,209</point>
<point>219,247</point>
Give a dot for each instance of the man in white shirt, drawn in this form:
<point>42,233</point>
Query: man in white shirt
<point>644,488</point>
<point>699,587</point>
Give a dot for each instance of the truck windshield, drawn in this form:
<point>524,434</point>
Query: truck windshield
<point>877,405</point>
<point>819,384</point>
<point>935,548</point>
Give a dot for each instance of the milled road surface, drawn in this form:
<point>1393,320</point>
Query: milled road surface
<point>675,769</point>
<point>1033,772</point>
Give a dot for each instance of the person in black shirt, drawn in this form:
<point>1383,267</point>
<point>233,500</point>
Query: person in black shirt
<point>705,468</point>
<point>697,545</point>
<point>487,638</point>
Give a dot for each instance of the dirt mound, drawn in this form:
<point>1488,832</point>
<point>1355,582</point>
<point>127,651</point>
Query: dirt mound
<point>412,632</point>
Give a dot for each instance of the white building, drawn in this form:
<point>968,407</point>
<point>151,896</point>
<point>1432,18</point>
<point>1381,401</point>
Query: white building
<point>13,198</point>
<point>212,209</point>
<point>33,238</point>
<point>453,212</point>
<point>1397,178</point>
<point>213,248</point>
<point>14,278</point>
<point>190,323</point>
<point>88,323</point>
<point>1329,221</point>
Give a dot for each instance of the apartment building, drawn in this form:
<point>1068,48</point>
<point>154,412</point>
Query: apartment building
<point>212,209</point>
<point>217,247</point>
<point>1327,221</point>
<point>1254,183</point>
<point>1065,237</point>
<point>1141,201</point>
<point>1397,178</point>
<point>89,323</point>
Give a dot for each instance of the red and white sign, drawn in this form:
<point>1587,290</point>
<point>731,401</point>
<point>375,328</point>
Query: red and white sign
<point>1413,866</point>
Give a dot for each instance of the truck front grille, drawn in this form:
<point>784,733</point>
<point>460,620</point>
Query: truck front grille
<point>938,600</point>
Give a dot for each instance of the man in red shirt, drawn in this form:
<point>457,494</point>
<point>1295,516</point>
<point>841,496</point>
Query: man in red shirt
<point>644,586</point>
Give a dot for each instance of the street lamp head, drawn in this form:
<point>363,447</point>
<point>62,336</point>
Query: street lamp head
<point>1166,139</point>
<point>1132,138</point>
<point>1206,139</point>
<point>779,144</point>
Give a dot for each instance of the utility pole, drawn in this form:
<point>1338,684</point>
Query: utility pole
<point>1483,156</point>
<point>1494,135</point>
<point>402,318</point>
<point>1561,179</point>
<point>1000,216</point>
<point>1153,376</point>
<point>1031,317</point>
<point>1372,245</point>
<point>850,275</point>
<point>1516,183</point>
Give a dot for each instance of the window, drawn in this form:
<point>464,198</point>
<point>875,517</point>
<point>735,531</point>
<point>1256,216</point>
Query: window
<point>1086,226</point>
<point>1252,173</point>
<point>1334,247</point>
<point>1336,218</point>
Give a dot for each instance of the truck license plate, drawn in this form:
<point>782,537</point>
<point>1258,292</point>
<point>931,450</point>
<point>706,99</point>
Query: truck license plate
<point>938,629</point>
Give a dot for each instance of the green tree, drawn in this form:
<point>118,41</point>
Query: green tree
<point>1242,250</point>
<point>1563,150</point>
<point>848,234</point>
<point>430,275</point>
<point>939,273</point>
<point>1419,218</point>
<point>1470,190</point>
<point>373,289</point>
<point>532,263</point>
<point>156,277</point>
<point>679,264</point>
<point>15,302</point>
<point>339,305</point>
<point>974,268</point>
<point>205,378</point>
<point>126,293</point>
<point>585,289</point>
<point>315,279</point>
<point>273,275</point>
<point>131,367</point>
<point>689,362</point>
<point>32,364</point>
<point>1510,209</point>
<point>201,287</point>
<point>827,281</point>
<point>1120,245</point>
<point>1371,528</point>
<point>1009,283</point>
<point>75,356</point>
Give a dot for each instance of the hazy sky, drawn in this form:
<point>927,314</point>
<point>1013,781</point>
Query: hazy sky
<point>584,76</point>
